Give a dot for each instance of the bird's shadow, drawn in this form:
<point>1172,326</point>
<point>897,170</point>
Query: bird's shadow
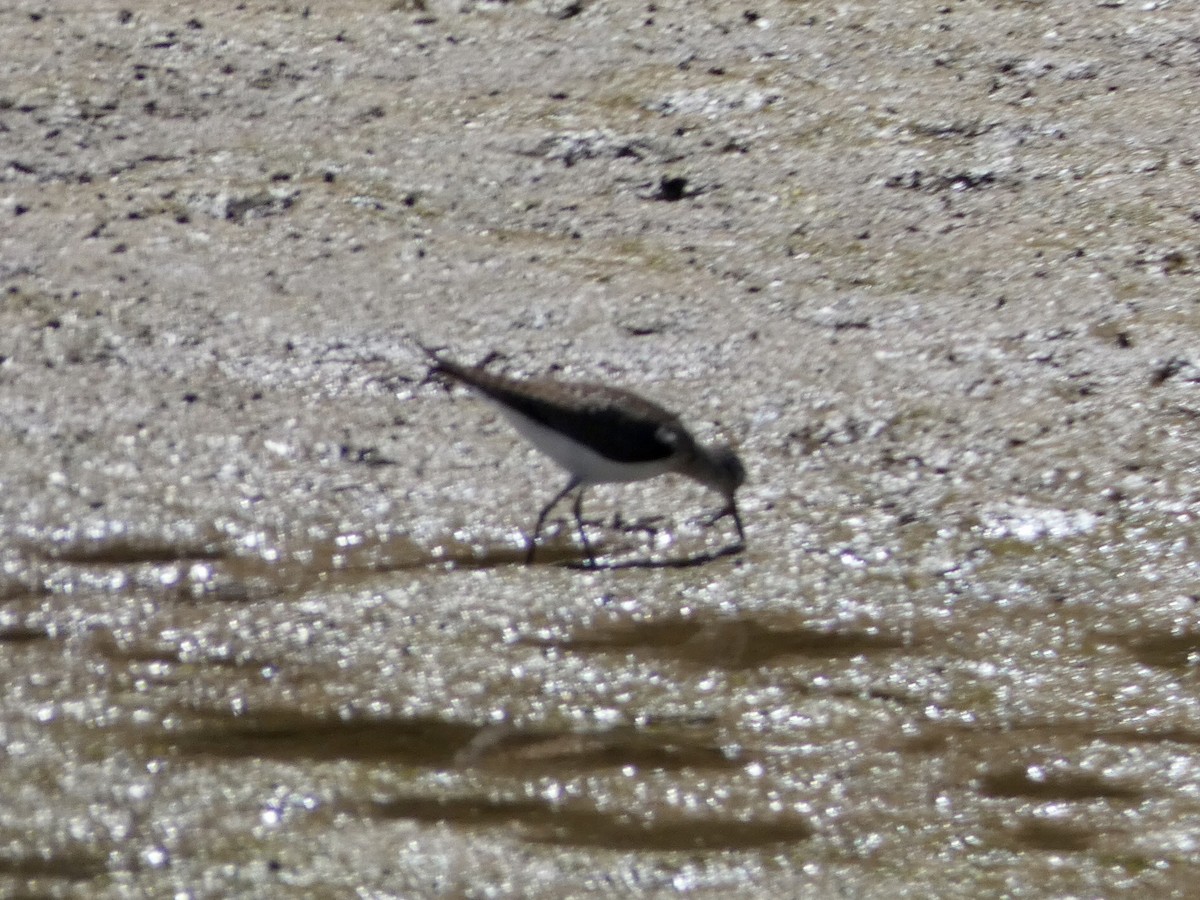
<point>685,562</point>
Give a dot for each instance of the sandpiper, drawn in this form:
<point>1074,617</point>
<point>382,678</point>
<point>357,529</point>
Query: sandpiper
<point>601,434</point>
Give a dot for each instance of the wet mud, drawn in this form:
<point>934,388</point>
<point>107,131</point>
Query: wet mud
<point>265,624</point>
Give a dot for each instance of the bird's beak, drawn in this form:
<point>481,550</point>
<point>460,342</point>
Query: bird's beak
<point>737,521</point>
<point>732,511</point>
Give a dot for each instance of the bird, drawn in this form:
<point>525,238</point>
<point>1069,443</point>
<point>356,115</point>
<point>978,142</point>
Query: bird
<point>601,434</point>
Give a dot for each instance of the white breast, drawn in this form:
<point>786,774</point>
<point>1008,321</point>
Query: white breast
<point>581,461</point>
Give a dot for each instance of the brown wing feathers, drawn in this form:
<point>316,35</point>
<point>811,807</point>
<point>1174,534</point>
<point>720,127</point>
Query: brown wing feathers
<point>616,424</point>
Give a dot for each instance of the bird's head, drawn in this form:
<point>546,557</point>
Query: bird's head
<point>720,469</point>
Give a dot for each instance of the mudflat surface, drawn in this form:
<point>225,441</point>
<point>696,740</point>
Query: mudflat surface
<point>264,630</point>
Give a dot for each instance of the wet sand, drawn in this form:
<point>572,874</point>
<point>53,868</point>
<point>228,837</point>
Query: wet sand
<point>264,626</point>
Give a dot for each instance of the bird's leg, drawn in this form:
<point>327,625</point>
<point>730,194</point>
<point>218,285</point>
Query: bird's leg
<point>541,519</point>
<point>583,533</point>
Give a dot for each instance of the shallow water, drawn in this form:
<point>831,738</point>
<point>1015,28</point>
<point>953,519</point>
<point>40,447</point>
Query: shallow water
<point>379,722</point>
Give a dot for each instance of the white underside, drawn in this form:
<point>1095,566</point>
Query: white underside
<point>586,464</point>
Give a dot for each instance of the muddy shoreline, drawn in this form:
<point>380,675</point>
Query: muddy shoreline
<point>263,621</point>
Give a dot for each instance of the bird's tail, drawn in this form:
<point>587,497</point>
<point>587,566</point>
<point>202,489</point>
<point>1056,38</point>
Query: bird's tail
<point>440,366</point>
